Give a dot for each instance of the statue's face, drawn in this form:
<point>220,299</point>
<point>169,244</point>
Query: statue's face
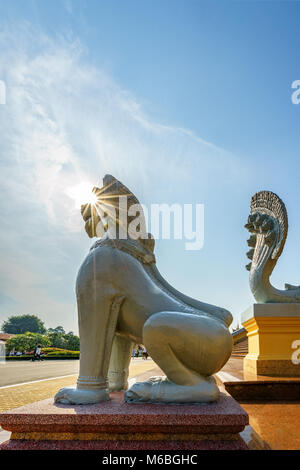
<point>109,209</point>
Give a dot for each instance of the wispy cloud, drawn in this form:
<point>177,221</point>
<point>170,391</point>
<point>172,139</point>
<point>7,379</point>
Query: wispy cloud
<point>67,121</point>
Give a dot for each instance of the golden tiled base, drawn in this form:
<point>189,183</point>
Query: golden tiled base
<point>269,367</point>
<point>273,332</point>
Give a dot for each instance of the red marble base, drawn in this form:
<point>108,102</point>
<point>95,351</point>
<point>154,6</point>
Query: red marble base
<point>116,425</point>
<point>238,444</point>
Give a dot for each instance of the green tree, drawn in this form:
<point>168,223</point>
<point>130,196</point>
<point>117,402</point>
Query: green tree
<point>64,341</point>
<point>19,324</point>
<point>58,329</point>
<point>57,340</point>
<point>72,342</point>
<point>27,342</point>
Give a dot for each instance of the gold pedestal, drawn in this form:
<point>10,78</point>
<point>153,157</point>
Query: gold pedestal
<point>273,332</point>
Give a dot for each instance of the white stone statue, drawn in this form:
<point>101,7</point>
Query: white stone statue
<point>122,301</point>
<point>268,225</point>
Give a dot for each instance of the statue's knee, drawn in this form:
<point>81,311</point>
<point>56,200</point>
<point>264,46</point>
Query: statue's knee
<point>225,342</point>
<point>227,337</point>
<point>154,326</point>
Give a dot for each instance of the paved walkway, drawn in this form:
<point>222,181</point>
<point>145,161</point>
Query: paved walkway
<point>273,425</point>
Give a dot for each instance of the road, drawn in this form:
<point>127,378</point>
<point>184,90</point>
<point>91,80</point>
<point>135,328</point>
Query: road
<point>13,372</point>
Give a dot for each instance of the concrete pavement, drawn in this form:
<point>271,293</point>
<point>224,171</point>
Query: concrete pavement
<point>15,372</point>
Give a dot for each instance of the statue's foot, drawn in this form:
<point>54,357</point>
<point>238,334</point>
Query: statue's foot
<point>117,386</point>
<point>80,396</point>
<point>117,381</point>
<point>162,390</point>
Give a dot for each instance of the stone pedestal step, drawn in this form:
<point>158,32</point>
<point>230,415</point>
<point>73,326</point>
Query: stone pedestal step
<point>118,425</point>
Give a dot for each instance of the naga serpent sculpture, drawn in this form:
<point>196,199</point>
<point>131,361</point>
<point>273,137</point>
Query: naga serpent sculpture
<point>268,225</point>
<point>122,301</point>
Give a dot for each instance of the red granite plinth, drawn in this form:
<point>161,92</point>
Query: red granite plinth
<point>116,425</point>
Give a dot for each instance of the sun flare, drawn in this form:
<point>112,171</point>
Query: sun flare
<point>82,194</point>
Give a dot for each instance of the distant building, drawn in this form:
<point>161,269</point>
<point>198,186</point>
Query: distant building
<point>4,337</point>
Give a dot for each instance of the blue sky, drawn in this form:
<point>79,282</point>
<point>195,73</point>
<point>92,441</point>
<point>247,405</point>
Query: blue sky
<point>184,101</point>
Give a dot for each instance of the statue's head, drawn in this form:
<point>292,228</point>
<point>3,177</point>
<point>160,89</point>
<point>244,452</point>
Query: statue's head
<point>116,212</point>
<point>268,225</point>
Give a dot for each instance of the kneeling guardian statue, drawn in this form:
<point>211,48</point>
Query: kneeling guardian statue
<point>123,300</point>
